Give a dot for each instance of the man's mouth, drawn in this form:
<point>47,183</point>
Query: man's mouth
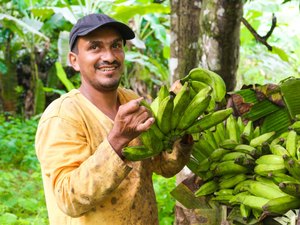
<point>107,69</point>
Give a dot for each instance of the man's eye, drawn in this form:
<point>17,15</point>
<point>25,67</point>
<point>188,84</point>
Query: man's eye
<point>93,46</point>
<point>117,45</point>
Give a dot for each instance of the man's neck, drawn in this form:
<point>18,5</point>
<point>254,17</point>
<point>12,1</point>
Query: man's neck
<point>107,102</point>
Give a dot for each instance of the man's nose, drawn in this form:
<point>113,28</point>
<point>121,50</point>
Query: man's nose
<point>108,55</point>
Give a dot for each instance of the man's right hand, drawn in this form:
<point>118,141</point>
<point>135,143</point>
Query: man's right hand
<point>131,120</point>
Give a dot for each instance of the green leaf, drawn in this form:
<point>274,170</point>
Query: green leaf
<point>3,68</point>
<point>8,218</point>
<point>19,26</point>
<point>63,76</point>
<point>124,13</point>
<point>281,53</point>
<point>39,97</point>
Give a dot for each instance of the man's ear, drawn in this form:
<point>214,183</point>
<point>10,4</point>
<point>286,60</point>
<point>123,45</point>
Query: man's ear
<point>73,61</point>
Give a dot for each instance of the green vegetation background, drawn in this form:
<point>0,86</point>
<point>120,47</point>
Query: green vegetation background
<point>21,190</point>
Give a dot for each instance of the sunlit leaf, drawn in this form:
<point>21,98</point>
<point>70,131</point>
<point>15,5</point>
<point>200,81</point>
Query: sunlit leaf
<point>124,13</point>
<point>281,53</point>
<point>8,218</point>
<point>20,25</point>
<point>63,47</point>
<point>63,76</point>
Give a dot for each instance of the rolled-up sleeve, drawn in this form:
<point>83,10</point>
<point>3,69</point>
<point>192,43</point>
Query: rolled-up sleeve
<point>168,164</point>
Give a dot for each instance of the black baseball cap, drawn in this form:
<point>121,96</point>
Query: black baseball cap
<point>93,21</point>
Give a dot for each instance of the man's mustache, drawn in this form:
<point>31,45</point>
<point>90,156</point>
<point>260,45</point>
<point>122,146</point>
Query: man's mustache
<point>105,63</point>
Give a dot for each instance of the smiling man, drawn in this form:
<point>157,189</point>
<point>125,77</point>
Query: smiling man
<point>81,135</point>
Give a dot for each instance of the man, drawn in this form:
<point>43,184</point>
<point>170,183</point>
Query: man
<point>81,135</point>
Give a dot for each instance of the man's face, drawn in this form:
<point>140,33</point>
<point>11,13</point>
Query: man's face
<point>100,59</point>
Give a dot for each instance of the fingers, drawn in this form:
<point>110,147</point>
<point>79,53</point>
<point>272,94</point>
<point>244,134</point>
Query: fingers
<point>131,107</point>
<point>145,125</point>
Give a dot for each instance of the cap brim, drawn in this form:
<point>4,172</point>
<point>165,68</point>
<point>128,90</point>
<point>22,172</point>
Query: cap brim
<point>125,31</point>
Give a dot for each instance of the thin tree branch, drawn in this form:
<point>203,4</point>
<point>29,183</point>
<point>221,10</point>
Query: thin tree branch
<point>259,38</point>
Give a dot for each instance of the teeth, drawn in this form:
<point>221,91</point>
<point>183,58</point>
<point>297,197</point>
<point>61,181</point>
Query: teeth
<point>107,69</point>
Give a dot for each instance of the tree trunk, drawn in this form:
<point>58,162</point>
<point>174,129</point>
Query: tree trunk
<point>220,38</point>
<point>204,33</point>
<point>8,95</point>
<point>184,37</point>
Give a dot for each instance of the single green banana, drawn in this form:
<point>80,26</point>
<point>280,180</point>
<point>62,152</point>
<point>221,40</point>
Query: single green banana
<point>209,120</point>
<point>267,181</point>
<point>281,205</point>
<point>164,114</point>
<point>260,189</point>
<point>232,128</point>
<point>259,140</point>
<point>254,202</point>
<point>270,158</point>
<point>291,143</point>
<point>138,153</point>
<point>256,132</point>
<point>230,183</point>
<point>245,211</point>
<point>181,101</point>
<point>279,150</point>
<point>242,187</point>
<point>229,167</point>
<point>292,165</point>
<point>232,156</point>
<point>154,106</point>
<point>162,93</point>
<point>196,107</point>
<point>223,199</point>
<point>228,144</point>
<point>265,169</point>
<point>208,136</point>
<point>207,188</point>
<point>197,85</point>
<point>290,187</point>
<point>281,177</point>
<point>239,197</point>
<point>296,127</point>
<point>246,149</point>
<point>217,154</point>
<point>247,133</point>
<point>157,131</point>
<point>224,191</point>
<point>204,165</point>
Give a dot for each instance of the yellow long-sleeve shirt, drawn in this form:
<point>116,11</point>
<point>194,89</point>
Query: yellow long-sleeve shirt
<point>85,181</point>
